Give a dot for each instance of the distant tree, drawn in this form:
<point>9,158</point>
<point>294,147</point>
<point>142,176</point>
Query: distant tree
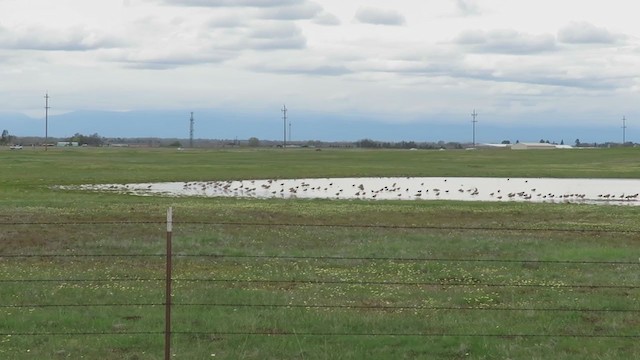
<point>367,143</point>
<point>577,142</point>
<point>91,140</point>
<point>405,145</point>
<point>175,144</point>
<point>517,141</point>
<point>561,142</point>
<point>541,141</point>
<point>4,140</point>
<point>254,142</point>
<point>506,142</point>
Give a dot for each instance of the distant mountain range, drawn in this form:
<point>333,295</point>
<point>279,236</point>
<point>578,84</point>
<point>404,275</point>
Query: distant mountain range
<point>217,124</point>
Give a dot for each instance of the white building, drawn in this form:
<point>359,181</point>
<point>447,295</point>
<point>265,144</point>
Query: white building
<point>538,146</point>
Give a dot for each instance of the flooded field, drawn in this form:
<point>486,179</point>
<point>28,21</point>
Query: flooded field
<point>592,191</point>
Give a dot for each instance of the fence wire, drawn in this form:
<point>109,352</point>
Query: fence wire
<point>320,282</point>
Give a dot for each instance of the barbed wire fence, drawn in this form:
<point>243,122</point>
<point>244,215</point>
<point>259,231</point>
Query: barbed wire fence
<point>293,279</point>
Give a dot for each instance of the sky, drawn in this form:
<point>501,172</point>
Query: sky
<point>545,62</point>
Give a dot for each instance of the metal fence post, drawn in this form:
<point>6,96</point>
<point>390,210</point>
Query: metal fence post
<point>167,315</point>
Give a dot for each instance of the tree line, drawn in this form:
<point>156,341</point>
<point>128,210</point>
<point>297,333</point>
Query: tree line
<point>95,140</point>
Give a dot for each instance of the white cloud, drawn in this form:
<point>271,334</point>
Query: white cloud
<point>375,16</point>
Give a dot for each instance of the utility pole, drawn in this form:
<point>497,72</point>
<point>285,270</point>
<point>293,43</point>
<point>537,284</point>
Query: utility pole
<point>474,114</point>
<point>624,130</point>
<point>191,131</point>
<point>289,131</point>
<point>46,120</point>
<point>284,117</point>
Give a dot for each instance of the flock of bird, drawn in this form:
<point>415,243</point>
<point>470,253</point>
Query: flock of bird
<point>399,189</point>
<point>387,189</point>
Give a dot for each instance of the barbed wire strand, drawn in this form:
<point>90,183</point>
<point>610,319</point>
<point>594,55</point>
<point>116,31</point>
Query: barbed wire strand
<point>374,226</point>
<point>331,282</point>
<point>336,258</point>
<point>321,306</point>
<point>327,334</point>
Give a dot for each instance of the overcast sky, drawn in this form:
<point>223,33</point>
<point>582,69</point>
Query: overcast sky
<point>556,61</point>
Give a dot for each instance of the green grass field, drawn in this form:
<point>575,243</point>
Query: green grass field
<point>81,272</point>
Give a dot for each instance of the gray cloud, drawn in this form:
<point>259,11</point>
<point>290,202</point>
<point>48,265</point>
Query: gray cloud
<point>467,7</point>
<point>227,22</point>
<point>273,36</point>
<point>224,38</point>
<point>167,62</point>
<point>506,42</point>
<point>71,39</point>
<point>303,10</point>
<point>586,33</point>
<point>233,3</point>
<point>547,70</point>
<point>537,76</point>
<point>375,16</point>
<point>265,9</point>
<point>179,43</point>
<point>303,69</point>
<point>326,18</point>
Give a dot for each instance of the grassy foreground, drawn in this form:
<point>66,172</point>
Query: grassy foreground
<point>320,279</point>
